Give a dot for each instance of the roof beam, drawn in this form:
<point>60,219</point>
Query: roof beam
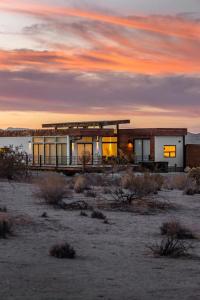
<point>99,124</point>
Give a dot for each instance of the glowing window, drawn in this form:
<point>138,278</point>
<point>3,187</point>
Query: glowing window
<point>109,149</point>
<point>170,151</point>
<point>109,139</point>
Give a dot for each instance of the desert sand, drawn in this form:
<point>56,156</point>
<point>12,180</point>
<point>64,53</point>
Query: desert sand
<point>113,261</point>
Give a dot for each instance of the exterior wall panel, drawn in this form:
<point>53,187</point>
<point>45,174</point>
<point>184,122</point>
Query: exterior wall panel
<point>161,141</point>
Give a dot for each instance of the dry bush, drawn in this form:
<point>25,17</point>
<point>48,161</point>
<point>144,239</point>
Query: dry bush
<point>90,194</point>
<point>191,187</point>
<point>141,185</point>
<point>120,196</point>
<point>195,175</point>
<point>62,251</point>
<point>96,179</point>
<point>177,230</point>
<point>175,182</point>
<point>83,213</point>
<point>6,226</point>
<point>13,165</point>
<point>3,209</point>
<point>98,215</point>
<point>52,188</point>
<point>159,179</point>
<point>155,204</point>
<point>107,191</point>
<point>80,184</point>
<point>170,247</point>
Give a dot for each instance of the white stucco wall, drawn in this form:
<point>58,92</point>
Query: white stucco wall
<point>23,143</point>
<point>161,141</point>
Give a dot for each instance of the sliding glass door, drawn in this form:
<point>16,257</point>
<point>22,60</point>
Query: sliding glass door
<point>142,150</point>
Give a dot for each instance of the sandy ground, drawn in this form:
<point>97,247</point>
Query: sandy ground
<point>112,263</point>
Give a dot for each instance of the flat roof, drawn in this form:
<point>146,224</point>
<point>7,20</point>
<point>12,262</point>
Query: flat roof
<point>86,124</point>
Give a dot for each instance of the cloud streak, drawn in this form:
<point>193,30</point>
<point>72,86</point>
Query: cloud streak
<point>168,25</point>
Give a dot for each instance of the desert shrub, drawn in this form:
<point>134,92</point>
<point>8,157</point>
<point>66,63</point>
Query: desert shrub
<point>159,179</point>
<point>3,209</point>
<point>44,215</point>
<point>191,187</point>
<point>96,179</point>
<point>175,182</point>
<point>141,185</point>
<point>121,196</point>
<point>52,188</point>
<point>83,214</point>
<point>90,193</point>
<point>107,191</point>
<point>6,226</point>
<point>187,169</point>
<point>98,215</point>
<point>13,164</point>
<point>170,247</point>
<point>62,251</point>
<point>127,179</point>
<point>195,175</point>
<point>177,230</point>
<point>156,204</point>
<point>81,184</point>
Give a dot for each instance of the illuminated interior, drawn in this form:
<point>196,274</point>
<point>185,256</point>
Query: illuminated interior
<point>109,146</point>
<point>49,150</point>
<point>170,151</point>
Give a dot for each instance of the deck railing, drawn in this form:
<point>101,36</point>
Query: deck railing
<point>74,160</point>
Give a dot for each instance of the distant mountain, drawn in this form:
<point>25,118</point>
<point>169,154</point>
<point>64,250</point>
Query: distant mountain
<point>192,138</point>
<point>16,129</point>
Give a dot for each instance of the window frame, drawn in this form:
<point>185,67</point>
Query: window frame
<point>169,151</point>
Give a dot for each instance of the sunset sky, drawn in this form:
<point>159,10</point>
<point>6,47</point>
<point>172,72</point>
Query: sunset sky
<point>64,60</point>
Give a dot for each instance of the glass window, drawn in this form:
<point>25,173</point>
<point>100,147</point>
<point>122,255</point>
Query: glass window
<point>85,139</point>
<point>109,139</point>
<point>49,139</point>
<point>170,151</point>
<point>109,149</point>
<point>61,140</point>
<point>38,140</point>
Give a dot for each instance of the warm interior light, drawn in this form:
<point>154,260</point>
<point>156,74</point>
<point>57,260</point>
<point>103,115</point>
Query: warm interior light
<point>170,151</point>
<point>130,145</point>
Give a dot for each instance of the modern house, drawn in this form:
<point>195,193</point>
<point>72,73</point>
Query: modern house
<point>67,144</point>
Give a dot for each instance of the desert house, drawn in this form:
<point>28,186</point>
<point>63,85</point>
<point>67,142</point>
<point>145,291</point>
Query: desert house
<point>65,144</point>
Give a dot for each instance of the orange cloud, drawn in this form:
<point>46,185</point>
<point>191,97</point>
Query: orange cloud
<point>107,59</point>
<point>167,25</point>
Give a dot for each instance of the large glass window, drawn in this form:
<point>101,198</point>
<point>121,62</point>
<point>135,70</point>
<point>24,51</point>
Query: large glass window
<point>38,153</point>
<point>169,151</point>
<point>109,146</point>
<point>109,149</point>
<point>62,154</point>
